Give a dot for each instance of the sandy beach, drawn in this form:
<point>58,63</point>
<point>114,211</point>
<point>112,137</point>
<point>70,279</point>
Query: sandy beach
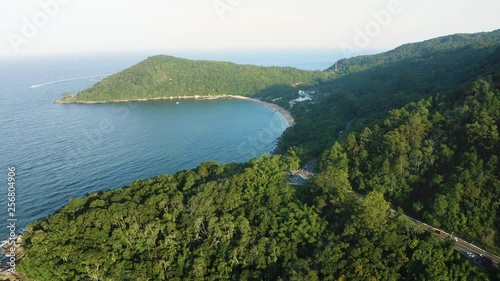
<point>283,112</point>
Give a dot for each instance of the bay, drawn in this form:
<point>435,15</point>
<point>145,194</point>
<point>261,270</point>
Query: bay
<point>62,152</point>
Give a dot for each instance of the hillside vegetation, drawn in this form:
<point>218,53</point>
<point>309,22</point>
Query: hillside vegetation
<point>421,136</point>
<point>366,88</point>
<point>439,160</point>
<point>415,52</point>
<point>235,222</point>
<point>166,76</point>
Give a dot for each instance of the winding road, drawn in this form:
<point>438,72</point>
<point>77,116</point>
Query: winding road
<point>301,177</point>
<point>461,245</point>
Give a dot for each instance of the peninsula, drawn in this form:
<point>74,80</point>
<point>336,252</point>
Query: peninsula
<point>165,77</point>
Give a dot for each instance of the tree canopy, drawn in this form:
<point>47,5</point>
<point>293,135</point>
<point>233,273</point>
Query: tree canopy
<point>416,129</point>
<point>234,222</point>
<point>166,76</point>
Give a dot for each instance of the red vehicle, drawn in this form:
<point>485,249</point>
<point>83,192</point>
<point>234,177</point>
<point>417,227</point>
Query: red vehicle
<point>439,232</point>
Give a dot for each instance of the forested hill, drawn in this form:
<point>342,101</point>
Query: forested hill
<point>355,87</point>
<point>166,76</point>
<point>366,88</point>
<point>421,137</point>
<point>420,51</point>
<point>244,222</point>
<point>438,159</point>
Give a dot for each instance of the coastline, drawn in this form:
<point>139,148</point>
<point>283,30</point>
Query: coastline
<point>287,116</point>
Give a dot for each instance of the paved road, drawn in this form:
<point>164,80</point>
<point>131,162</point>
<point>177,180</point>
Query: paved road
<point>461,245</point>
<point>302,176</point>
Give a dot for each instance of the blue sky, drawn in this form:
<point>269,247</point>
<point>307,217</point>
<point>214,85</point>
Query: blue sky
<point>68,26</point>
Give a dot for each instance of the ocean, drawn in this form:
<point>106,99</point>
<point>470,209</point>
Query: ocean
<point>61,152</point>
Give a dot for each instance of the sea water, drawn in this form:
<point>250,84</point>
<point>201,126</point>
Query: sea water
<point>61,152</point>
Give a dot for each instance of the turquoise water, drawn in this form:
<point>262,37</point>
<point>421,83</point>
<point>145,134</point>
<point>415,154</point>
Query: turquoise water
<point>66,151</point>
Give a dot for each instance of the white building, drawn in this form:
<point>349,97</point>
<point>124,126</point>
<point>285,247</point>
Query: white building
<point>303,96</point>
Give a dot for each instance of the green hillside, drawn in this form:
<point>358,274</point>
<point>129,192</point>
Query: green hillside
<point>366,88</point>
<point>167,76</point>
<point>421,135</point>
<point>429,49</point>
<point>236,222</point>
<point>439,160</point>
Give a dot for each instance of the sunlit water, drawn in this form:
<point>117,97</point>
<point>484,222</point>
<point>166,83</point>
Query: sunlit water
<point>67,151</point>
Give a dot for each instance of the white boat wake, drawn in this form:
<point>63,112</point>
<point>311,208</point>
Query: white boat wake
<point>93,78</point>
